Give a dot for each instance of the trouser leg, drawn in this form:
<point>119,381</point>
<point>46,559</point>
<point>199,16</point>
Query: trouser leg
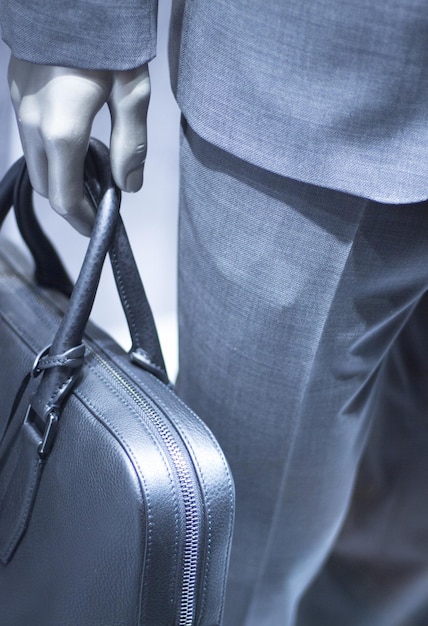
<point>377,574</point>
<point>289,298</point>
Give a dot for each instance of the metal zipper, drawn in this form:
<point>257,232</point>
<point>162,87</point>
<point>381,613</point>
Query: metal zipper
<point>192,530</point>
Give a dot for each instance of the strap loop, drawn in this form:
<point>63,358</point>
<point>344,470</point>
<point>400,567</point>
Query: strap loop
<point>74,358</point>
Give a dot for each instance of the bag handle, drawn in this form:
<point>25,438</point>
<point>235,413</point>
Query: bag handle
<point>60,365</point>
<point>145,349</point>
<point>49,271</point>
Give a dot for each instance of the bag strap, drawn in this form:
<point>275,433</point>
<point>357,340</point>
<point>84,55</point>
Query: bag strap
<point>145,349</point>
<point>59,372</point>
<point>49,270</point>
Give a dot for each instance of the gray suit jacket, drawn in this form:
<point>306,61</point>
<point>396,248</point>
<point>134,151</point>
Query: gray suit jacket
<point>332,92</point>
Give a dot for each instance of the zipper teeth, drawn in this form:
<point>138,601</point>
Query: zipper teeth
<point>190,557</point>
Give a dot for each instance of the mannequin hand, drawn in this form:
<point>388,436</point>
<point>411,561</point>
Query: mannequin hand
<point>55,108</point>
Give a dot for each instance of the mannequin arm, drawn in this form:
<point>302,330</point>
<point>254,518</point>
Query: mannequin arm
<point>55,107</point>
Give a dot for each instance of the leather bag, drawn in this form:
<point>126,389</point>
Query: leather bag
<point>116,502</point>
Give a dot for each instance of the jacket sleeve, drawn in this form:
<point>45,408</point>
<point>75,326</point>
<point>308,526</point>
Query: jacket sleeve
<point>89,34</point>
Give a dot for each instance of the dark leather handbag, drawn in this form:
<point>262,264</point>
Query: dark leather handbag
<point>116,502</point>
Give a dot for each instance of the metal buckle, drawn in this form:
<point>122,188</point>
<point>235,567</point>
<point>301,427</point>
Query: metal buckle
<point>45,445</point>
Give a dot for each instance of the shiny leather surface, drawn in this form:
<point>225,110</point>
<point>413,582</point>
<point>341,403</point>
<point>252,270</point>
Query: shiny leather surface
<point>104,541</point>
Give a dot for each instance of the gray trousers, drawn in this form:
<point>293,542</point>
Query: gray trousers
<point>303,345</point>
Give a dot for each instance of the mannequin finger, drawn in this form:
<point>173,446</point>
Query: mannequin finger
<point>55,108</point>
<point>28,122</point>
<point>36,159</point>
<point>128,104</point>
<point>65,183</point>
<point>65,131</point>
<point>128,149</point>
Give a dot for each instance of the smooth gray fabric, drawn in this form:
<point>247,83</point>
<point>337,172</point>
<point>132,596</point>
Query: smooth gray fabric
<point>291,298</point>
<point>331,92</point>
<point>91,34</point>
<point>378,573</point>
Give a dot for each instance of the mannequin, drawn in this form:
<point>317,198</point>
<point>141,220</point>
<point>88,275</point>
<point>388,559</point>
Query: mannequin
<point>55,129</point>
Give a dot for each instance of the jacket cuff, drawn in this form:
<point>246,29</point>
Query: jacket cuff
<point>88,34</point>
